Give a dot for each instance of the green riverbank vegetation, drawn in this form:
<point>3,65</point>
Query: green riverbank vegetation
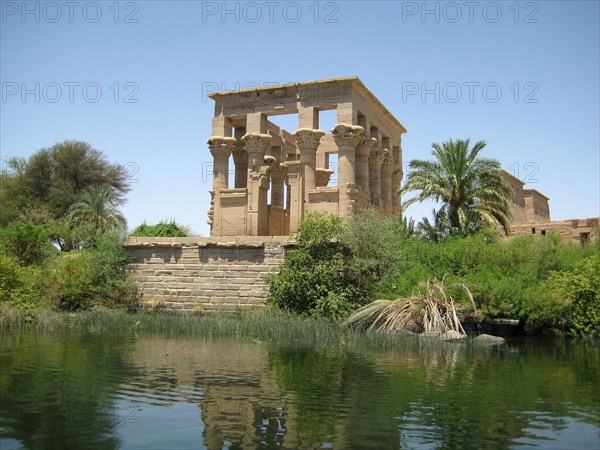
<point>61,236</point>
<point>541,281</point>
<point>536,279</point>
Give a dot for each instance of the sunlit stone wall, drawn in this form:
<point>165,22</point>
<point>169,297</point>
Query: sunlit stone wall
<point>205,274</point>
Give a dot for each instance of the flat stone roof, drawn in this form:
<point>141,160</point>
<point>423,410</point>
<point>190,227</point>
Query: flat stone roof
<point>353,81</point>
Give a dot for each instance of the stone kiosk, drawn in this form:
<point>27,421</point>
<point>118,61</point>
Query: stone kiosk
<point>281,176</point>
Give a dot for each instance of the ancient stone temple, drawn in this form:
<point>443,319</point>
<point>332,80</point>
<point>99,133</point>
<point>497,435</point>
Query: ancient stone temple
<point>282,175</point>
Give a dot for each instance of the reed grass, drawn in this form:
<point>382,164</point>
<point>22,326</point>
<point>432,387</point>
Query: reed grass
<point>264,325</point>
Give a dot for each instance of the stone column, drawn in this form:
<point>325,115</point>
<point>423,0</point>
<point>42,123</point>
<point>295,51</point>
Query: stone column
<point>386,181</point>
<point>363,151</point>
<point>278,171</point>
<point>396,180</point>
<point>220,148</point>
<point>295,193</point>
<point>240,158</point>
<point>257,145</point>
<point>307,141</point>
<point>347,138</point>
<point>375,161</point>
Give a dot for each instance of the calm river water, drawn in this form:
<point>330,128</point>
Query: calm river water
<point>86,391</point>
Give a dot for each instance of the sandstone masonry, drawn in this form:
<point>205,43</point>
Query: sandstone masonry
<point>205,274</point>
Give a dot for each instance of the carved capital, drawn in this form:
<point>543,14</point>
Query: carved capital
<point>347,135</point>
<point>279,170</point>
<point>293,169</point>
<point>308,138</point>
<point>365,145</point>
<point>257,143</point>
<point>376,155</point>
<point>323,176</point>
<point>220,146</point>
<point>387,166</point>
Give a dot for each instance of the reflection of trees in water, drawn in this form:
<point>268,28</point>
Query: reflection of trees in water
<point>55,391</point>
<point>449,396</point>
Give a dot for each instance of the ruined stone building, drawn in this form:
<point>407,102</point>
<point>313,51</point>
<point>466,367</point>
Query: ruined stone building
<point>281,175</point>
<point>531,215</point>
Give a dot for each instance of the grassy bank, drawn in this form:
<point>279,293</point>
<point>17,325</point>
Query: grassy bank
<point>265,325</point>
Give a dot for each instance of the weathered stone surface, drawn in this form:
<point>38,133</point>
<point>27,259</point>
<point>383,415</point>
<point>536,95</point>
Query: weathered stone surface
<point>266,157</point>
<point>488,339</point>
<point>453,336</point>
<point>229,273</point>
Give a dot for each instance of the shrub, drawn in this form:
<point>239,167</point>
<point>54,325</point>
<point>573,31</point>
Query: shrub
<point>26,241</point>
<point>580,285</point>
<point>18,285</point>
<point>317,277</point>
<point>161,229</point>
<point>94,277</point>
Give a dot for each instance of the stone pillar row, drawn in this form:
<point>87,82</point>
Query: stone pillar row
<point>360,163</point>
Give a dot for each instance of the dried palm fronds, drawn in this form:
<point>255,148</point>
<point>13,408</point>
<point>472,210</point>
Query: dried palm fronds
<point>432,311</point>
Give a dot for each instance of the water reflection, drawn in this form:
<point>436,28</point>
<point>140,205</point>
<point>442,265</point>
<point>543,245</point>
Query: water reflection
<point>155,392</point>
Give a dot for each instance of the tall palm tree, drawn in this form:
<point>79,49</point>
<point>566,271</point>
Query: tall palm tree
<point>98,206</point>
<point>470,187</point>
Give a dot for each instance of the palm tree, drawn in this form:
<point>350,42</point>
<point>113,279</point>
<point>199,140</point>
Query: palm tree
<point>98,206</point>
<point>470,187</point>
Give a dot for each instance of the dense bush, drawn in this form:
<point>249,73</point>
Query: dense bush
<point>580,286</point>
<point>161,229</point>
<point>18,285</point>
<point>26,241</point>
<point>94,277</point>
<point>318,277</point>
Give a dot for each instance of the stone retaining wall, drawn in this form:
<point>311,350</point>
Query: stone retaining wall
<point>206,274</point>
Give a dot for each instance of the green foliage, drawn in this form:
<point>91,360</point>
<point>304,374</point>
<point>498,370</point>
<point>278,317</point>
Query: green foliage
<point>470,187</point>
<point>506,277</point>
<point>18,285</point>
<point>161,229</point>
<point>317,277</point>
<point>98,206</point>
<point>26,241</point>
<point>580,285</point>
<point>94,277</point>
<point>52,179</point>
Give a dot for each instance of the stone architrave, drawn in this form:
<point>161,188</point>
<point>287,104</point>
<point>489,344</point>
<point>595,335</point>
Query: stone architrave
<point>363,150</point>
<point>307,141</point>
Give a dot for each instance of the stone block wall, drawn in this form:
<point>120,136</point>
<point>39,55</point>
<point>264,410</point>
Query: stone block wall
<point>205,274</point>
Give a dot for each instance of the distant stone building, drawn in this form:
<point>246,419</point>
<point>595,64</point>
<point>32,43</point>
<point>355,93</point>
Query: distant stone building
<point>531,215</point>
<point>281,176</point>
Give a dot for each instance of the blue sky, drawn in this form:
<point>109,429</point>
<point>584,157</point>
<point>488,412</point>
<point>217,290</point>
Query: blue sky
<point>131,79</point>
